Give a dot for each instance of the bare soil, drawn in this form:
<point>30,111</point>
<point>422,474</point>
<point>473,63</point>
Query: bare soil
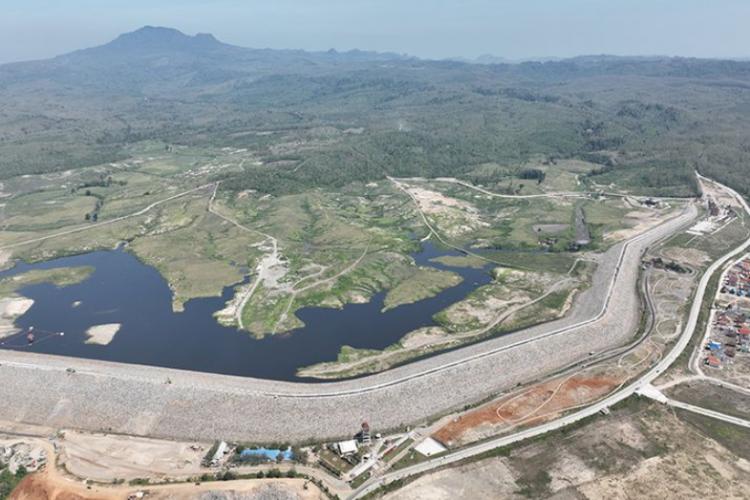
<point>643,451</point>
<point>526,407</point>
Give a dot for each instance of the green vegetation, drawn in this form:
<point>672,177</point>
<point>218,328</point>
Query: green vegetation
<point>407,443</point>
<point>424,283</point>
<point>196,252</point>
<point>59,277</point>
<point>302,146</point>
<point>713,397</point>
<point>9,481</point>
<point>637,118</point>
<point>558,263</point>
<point>732,437</point>
<point>409,459</point>
<point>461,261</point>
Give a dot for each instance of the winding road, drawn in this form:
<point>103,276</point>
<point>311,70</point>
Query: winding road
<point>644,380</point>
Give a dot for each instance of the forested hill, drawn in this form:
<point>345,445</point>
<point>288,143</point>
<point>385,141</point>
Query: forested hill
<point>330,118</point>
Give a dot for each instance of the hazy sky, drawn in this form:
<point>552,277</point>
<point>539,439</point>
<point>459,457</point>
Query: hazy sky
<point>32,29</point>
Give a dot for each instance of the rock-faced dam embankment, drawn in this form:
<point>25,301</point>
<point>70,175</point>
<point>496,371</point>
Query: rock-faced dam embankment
<point>143,400</point>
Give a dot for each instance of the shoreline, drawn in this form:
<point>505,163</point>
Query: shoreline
<point>12,308</point>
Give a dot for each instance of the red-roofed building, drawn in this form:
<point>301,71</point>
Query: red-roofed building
<point>713,361</point>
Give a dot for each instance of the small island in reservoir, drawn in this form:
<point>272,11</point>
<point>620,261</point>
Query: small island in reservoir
<point>102,334</point>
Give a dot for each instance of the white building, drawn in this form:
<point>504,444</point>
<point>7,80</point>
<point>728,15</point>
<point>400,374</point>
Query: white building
<point>430,447</point>
<point>347,447</point>
<point>220,451</point>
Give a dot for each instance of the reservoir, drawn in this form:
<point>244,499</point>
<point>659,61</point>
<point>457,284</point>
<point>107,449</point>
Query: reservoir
<point>124,290</point>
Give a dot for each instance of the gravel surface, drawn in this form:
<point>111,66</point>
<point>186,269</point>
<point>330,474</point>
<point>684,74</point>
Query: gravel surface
<point>131,399</point>
<point>269,492</point>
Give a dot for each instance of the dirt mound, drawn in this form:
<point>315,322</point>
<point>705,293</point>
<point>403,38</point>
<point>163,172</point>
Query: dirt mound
<point>37,487</point>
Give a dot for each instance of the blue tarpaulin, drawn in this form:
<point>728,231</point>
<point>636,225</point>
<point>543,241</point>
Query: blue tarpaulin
<point>271,454</point>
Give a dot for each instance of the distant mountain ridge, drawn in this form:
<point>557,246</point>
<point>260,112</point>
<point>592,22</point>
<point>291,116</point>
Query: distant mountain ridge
<point>160,41</point>
<point>151,37</point>
<point>85,107</point>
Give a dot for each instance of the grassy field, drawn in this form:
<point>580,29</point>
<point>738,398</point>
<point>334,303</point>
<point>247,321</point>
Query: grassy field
<point>732,437</point>
<point>46,210</point>
<point>60,277</point>
<point>197,252</point>
<point>335,247</point>
<point>424,282</point>
<point>713,397</point>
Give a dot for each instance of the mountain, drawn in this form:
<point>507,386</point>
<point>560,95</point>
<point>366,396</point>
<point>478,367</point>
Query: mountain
<point>150,38</point>
<point>157,60</point>
<point>88,107</point>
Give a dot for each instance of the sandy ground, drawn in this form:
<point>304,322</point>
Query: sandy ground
<point>11,308</point>
<point>639,221</point>
<point>102,334</point>
<point>103,457</point>
<point>49,486</point>
<point>5,256</point>
<point>456,216</point>
<point>720,195</point>
<point>55,483</point>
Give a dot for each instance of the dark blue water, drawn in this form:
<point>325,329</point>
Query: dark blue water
<point>124,290</point>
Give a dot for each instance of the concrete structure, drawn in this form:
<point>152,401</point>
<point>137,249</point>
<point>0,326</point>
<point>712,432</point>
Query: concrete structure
<point>130,399</point>
<point>651,392</point>
<point>220,451</point>
<point>430,447</point>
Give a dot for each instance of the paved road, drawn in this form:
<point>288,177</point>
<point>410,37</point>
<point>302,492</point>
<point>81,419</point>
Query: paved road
<point>710,413</point>
<point>646,379</point>
<point>559,194</point>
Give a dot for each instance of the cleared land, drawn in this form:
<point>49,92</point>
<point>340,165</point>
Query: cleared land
<point>641,451</point>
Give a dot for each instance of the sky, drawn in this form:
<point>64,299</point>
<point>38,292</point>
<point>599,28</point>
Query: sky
<point>514,29</point>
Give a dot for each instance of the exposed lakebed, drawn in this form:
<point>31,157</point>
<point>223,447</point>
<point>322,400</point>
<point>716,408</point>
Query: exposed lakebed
<point>124,291</point>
